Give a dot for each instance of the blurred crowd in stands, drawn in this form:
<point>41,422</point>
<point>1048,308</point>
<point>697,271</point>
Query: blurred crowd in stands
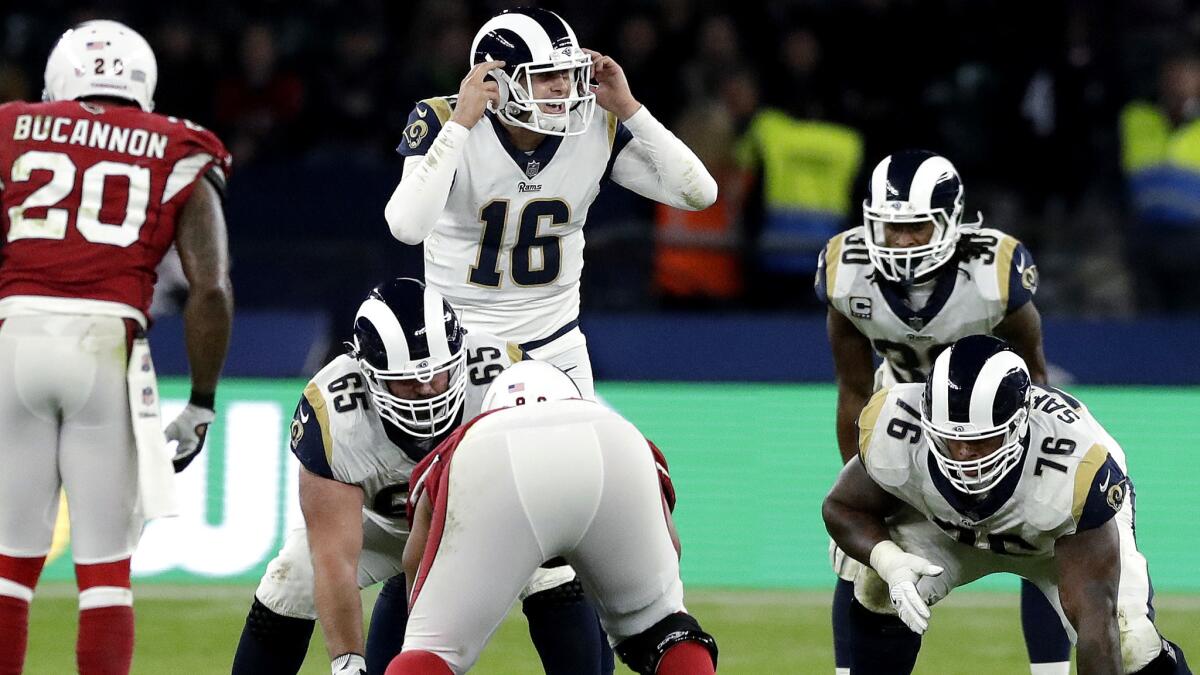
<point>1075,126</point>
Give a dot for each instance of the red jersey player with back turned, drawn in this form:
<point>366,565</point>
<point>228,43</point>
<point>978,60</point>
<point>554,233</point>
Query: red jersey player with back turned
<point>94,188</point>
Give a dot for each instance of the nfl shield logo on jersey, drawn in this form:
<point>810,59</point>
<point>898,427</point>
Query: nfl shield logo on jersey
<point>532,167</point>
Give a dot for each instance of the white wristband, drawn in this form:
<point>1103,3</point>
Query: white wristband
<point>348,664</point>
<point>882,554</point>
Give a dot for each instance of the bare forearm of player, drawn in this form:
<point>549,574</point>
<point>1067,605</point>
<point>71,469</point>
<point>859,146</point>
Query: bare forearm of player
<point>339,605</point>
<point>659,166</point>
<point>203,246</point>
<point>855,378</point>
<point>333,517</point>
<point>850,404</point>
<point>420,198</point>
<point>1023,330</point>
<point>1089,565</point>
<point>854,512</point>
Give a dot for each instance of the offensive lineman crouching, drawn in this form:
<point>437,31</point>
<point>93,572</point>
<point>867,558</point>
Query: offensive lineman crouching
<point>364,421</point>
<point>551,478</point>
<point>978,471</point>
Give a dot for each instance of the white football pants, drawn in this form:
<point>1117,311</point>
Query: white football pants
<point>64,411</point>
<point>518,499</point>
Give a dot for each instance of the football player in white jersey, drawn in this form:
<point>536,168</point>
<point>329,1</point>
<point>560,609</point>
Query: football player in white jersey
<point>905,284</point>
<point>498,180</point>
<point>979,471</point>
<point>412,376</point>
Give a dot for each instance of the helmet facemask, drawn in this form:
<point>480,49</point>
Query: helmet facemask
<point>421,417</point>
<point>518,106</point>
<point>977,476</point>
<point>409,346</point>
<point>908,264</point>
<point>979,389</point>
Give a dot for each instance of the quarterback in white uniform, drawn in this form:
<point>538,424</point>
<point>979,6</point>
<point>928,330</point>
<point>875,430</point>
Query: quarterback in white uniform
<point>498,180</point>
<point>979,471</point>
<point>361,426</point>
<point>904,285</point>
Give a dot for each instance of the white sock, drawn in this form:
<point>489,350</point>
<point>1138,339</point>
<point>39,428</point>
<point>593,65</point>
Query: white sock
<point>1058,668</point>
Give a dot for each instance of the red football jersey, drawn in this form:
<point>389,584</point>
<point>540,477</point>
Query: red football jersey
<point>90,195</point>
<point>429,475</point>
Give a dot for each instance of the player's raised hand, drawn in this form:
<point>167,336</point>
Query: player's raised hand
<point>475,92</point>
<point>612,89</point>
<point>901,571</point>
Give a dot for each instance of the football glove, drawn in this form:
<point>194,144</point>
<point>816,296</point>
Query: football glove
<point>843,565</point>
<point>901,571</point>
<point>349,664</point>
<point>189,429</point>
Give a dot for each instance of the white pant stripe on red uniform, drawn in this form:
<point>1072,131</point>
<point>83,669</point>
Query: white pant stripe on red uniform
<point>14,590</point>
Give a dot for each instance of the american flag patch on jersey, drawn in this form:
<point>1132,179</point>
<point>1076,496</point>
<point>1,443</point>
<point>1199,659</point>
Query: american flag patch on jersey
<point>514,388</point>
<point>96,44</point>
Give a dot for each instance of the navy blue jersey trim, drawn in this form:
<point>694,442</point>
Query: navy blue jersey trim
<point>307,443</point>
<point>422,128</point>
<point>1106,494</point>
<point>819,283</point>
<point>622,138</point>
<point>992,501</point>
<point>542,342</point>
<point>1022,273</point>
<point>894,294</point>
<point>542,154</point>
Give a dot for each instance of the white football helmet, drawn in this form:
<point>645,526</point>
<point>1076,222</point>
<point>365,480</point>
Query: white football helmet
<point>531,41</point>
<point>405,331</point>
<point>913,186</point>
<point>979,388</point>
<point>102,58</point>
<point>529,382</point>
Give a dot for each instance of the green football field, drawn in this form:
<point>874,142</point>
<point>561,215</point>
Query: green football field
<point>751,464</point>
<point>194,630</point>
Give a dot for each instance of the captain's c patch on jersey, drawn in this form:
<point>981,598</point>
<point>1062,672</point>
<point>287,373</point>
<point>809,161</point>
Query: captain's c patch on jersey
<point>860,307</point>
